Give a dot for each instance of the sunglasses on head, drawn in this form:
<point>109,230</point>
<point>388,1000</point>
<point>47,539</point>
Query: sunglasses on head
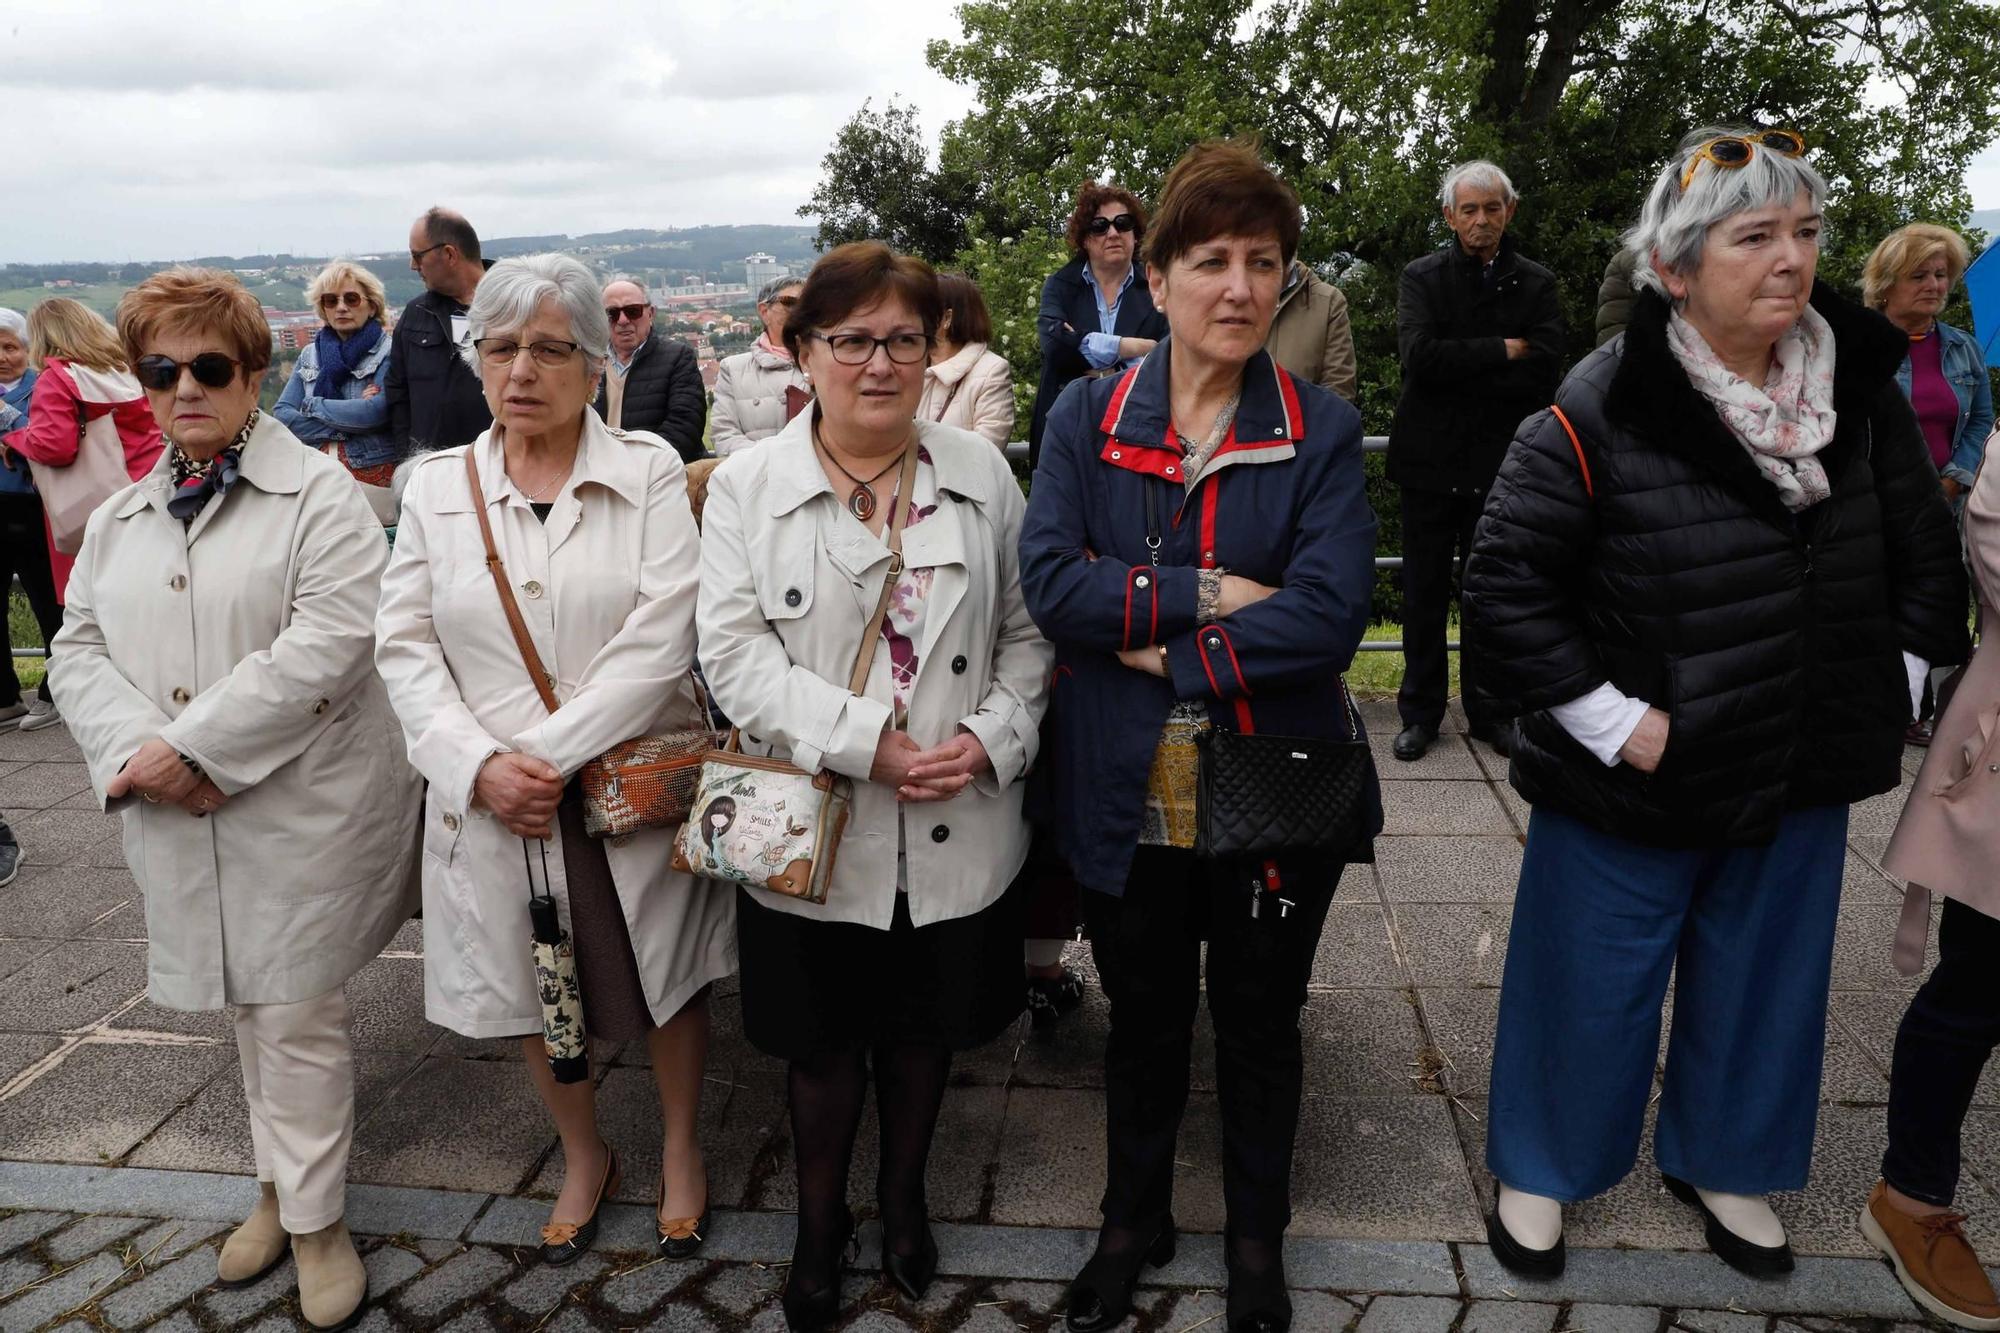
<point>1122,221</point>
<point>328,300</point>
<point>635,313</point>
<point>1734,150</point>
<point>211,370</point>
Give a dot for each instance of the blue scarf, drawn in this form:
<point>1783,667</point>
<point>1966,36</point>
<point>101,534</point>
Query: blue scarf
<point>339,356</point>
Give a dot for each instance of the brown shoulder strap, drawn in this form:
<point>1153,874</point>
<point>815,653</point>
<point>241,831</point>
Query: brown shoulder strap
<point>1583,464</point>
<point>899,510</point>
<point>532,660</point>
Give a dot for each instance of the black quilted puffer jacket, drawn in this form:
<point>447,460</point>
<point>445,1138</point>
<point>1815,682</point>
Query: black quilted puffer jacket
<point>1772,641</point>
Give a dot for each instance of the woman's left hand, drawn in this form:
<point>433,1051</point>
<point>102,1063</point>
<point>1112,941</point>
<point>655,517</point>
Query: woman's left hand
<point>1953,488</point>
<point>942,773</point>
<point>156,773</point>
<point>1145,659</point>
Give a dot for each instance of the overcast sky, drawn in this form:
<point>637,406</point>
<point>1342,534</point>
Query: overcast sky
<point>205,127</point>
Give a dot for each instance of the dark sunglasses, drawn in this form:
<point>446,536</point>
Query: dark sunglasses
<point>328,300</point>
<point>1122,221</point>
<point>635,313</point>
<point>211,370</point>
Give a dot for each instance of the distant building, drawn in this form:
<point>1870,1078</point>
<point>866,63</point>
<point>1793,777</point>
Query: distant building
<point>711,371</point>
<point>759,269</point>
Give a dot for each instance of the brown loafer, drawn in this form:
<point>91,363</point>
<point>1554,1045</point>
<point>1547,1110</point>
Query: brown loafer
<point>1934,1261</point>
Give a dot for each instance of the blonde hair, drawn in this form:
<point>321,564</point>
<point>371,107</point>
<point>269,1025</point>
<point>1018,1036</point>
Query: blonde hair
<point>69,330</point>
<point>191,300</point>
<point>343,271</point>
<point>1900,254</point>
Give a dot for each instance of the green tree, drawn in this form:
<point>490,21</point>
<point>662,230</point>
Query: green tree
<point>877,183</point>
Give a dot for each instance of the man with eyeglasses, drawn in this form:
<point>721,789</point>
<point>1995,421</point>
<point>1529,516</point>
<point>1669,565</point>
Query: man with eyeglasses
<point>435,401</point>
<point>1481,336</point>
<point>650,383</point>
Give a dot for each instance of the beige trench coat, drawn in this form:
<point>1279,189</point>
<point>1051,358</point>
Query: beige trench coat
<point>788,580</point>
<point>973,390</point>
<point>243,640</point>
<point>607,587</point>
<point>1948,840</point>
<point>1310,335</point>
<point>750,399</point>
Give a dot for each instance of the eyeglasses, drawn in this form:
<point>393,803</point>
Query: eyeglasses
<point>635,313</point>
<point>788,302</point>
<point>1734,150</point>
<point>1122,221</point>
<point>328,300</point>
<point>211,370</point>
<point>858,349</point>
<point>548,354</point>
<point>417,256</point>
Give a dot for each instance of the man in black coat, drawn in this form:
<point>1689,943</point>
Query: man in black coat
<point>435,400</point>
<point>650,383</point>
<point>1481,337</point>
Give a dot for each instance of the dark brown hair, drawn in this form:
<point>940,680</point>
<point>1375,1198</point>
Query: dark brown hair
<point>196,301</point>
<point>855,276</point>
<point>1222,188</point>
<point>1093,197</point>
<point>969,321</point>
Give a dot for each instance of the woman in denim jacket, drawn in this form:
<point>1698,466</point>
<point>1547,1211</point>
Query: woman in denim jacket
<point>334,399</point>
<point>1909,278</point>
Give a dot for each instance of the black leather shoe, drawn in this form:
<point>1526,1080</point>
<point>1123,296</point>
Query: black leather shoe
<point>1413,742</point>
<point>912,1273</point>
<point>1500,738</point>
<point>1518,1258</point>
<point>1746,1257</point>
<point>564,1242</point>
<point>1100,1296</point>
<point>815,1309</point>
<point>1052,999</point>
<point>1257,1302</point>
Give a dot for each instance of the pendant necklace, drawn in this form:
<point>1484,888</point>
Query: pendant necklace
<point>861,502</point>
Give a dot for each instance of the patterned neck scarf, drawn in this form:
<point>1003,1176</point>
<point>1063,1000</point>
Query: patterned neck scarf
<point>1783,424</point>
<point>195,483</point>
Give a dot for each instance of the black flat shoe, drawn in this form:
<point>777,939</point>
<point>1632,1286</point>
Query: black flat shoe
<point>565,1242</point>
<point>1257,1302</point>
<point>682,1237</point>
<point>1518,1258</point>
<point>1746,1257</point>
<point>912,1273</point>
<point>1413,742</point>
<point>1100,1296</point>
<point>1052,999</point>
<point>1499,738</point>
<point>809,1310</point>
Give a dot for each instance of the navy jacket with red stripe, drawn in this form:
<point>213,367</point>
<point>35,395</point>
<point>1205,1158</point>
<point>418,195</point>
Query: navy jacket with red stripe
<point>1281,502</point>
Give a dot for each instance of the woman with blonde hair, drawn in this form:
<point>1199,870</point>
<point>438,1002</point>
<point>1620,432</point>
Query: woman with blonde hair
<point>334,399</point>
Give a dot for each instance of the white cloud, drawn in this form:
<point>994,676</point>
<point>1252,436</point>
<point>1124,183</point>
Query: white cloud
<point>143,131</point>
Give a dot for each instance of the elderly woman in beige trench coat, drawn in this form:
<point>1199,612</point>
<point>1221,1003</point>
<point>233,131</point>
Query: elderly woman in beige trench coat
<point>215,660</point>
<point>1947,844</point>
<point>593,528</point>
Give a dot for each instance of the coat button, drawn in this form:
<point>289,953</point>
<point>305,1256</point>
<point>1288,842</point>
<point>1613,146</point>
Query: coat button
<point>180,696</point>
<point>958,665</point>
<point>1142,582</point>
<point>1170,469</point>
<point>1277,430</point>
<point>1214,642</point>
<point>451,823</point>
<point>1208,556</point>
<point>178,582</point>
<point>319,706</point>
<point>940,833</point>
<point>532,588</point>
<point>792,597</point>
<point>1115,455</point>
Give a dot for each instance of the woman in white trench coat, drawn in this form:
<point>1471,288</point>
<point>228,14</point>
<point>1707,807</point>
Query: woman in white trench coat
<point>215,660</point>
<point>593,528</point>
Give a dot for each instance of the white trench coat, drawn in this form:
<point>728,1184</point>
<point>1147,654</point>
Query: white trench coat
<point>243,640</point>
<point>607,587</point>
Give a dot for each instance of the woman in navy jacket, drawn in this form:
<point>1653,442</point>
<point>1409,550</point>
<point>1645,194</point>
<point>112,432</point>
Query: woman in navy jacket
<point>1097,310</point>
<point>1199,549</point>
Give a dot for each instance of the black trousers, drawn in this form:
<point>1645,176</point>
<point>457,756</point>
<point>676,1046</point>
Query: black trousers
<point>1437,527</point>
<point>24,554</point>
<point>1148,950</point>
<point>1947,1035</point>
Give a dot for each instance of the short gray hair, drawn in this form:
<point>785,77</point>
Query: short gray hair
<point>769,292</point>
<point>14,322</point>
<point>513,291</point>
<point>1674,223</point>
<point>1478,172</point>
<point>640,283</point>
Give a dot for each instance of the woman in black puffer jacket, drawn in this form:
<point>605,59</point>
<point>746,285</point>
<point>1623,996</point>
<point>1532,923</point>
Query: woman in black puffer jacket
<point>1708,610</point>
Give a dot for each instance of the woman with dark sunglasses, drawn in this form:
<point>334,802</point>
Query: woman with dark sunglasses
<point>1097,314</point>
<point>334,399</point>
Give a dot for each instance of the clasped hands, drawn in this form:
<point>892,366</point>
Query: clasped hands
<point>157,774</point>
<point>521,791</point>
<point>1236,593</point>
<point>921,775</point>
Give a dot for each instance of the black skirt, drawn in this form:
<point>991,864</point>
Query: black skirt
<point>811,987</point>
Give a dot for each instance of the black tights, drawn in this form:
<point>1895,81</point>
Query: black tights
<point>826,1093</point>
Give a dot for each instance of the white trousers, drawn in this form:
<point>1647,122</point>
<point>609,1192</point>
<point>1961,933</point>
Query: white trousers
<point>298,1077</point>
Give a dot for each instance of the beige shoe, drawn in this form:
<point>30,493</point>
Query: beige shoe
<point>256,1247</point>
<point>333,1286</point>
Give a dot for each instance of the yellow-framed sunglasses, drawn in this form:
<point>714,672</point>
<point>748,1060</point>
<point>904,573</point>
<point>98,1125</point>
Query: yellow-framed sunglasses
<point>1731,151</point>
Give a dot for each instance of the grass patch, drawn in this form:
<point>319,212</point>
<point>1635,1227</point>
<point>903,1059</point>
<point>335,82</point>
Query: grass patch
<point>22,630</point>
<point>1377,675</point>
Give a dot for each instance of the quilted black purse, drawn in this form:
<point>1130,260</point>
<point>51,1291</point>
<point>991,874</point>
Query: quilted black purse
<point>1258,795</point>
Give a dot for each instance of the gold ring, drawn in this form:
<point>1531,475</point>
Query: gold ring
<point>150,797</point>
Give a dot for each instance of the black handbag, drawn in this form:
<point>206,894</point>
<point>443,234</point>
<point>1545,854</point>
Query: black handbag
<point>1261,796</point>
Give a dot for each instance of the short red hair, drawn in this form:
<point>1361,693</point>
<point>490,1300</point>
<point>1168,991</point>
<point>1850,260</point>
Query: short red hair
<point>191,300</point>
<point>1093,197</point>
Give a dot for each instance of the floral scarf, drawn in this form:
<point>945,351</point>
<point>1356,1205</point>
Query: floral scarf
<point>197,482</point>
<point>1784,423</point>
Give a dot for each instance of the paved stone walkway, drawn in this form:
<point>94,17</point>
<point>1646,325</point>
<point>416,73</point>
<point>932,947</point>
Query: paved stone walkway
<point>112,1108</point>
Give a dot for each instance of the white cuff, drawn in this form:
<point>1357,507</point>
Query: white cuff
<point>1917,669</point>
<point>1601,721</point>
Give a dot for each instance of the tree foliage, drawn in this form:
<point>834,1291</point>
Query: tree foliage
<point>877,184</point>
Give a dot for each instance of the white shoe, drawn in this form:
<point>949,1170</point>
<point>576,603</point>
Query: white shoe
<point>41,713</point>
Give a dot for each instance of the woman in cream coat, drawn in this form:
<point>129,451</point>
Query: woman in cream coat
<point>968,385</point>
<point>750,386</point>
<point>593,528</point>
<point>215,665</point>
<point>916,952</point>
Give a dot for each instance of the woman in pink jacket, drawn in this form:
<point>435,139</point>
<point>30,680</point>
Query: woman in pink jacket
<point>1947,844</point>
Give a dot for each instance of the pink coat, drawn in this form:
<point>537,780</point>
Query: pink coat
<point>1948,840</point>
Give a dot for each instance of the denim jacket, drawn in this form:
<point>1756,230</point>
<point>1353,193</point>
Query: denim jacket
<point>1965,368</point>
<point>14,478</point>
<point>321,419</point>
